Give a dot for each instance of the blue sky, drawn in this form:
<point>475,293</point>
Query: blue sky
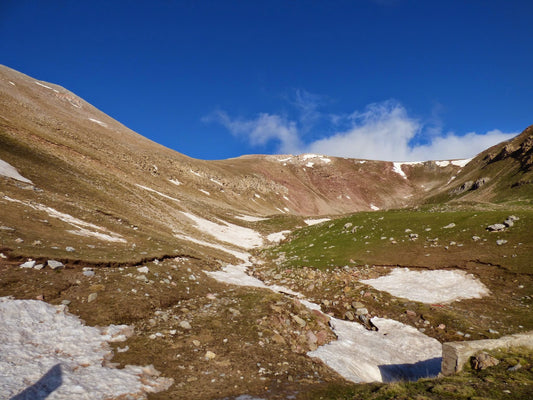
<point>382,79</point>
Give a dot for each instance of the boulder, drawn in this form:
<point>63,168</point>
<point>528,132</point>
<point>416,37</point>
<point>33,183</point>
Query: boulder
<point>496,227</point>
<point>53,264</point>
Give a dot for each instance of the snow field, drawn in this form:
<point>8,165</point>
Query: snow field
<point>396,351</point>
<point>277,237</point>
<point>37,338</point>
<point>439,286</point>
<point>9,171</point>
<point>316,221</point>
<point>226,232</point>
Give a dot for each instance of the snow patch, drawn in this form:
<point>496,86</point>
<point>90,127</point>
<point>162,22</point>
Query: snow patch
<point>316,221</point>
<point>226,232</point>
<point>442,163</point>
<point>249,218</point>
<point>373,207</point>
<point>451,179</point>
<point>277,236</point>
<point>9,171</point>
<point>439,286</point>
<point>395,352</point>
<point>47,87</point>
<point>98,122</point>
<point>205,192</point>
<point>79,224</point>
<point>237,254</point>
<point>195,173</point>
<point>461,163</point>
<point>215,181</point>
<point>12,83</point>
<point>310,164</point>
<point>41,342</point>
<point>397,167</point>
<point>175,182</point>
<point>156,192</point>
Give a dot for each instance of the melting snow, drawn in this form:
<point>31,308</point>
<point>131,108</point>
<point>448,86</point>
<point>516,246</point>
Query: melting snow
<point>156,192</point>
<point>461,163</point>
<point>397,167</point>
<point>237,254</point>
<point>98,122</point>
<point>75,222</point>
<point>226,232</point>
<point>451,179</point>
<point>316,221</point>
<point>439,286</point>
<point>41,346</point>
<point>373,207</point>
<point>8,170</point>
<point>249,218</point>
<point>395,352</point>
<point>442,163</point>
<point>319,156</point>
<point>48,87</point>
<point>277,236</point>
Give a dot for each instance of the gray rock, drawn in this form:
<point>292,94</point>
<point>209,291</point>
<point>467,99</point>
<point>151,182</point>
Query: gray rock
<point>347,225</point>
<point>513,218</point>
<point>451,225</point>
<point>92,297</point>
<point>70,249</point>
<point>508,223</point>
<point>475,238</point>
<point>38,267</point>
<point>65,302</point>
<point>496,227</point>
<point>88,273</point>
<point>28,264</point>
<point>500,242</point>
<point>185,325</point>
<point>53,264</point>
<point>361,311</point>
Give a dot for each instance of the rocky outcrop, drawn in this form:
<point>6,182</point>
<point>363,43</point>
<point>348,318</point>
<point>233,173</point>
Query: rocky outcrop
<point>456,354</point>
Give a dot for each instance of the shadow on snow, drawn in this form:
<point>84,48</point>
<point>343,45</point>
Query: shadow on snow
<point>411,372</point>
<point>41,389</point>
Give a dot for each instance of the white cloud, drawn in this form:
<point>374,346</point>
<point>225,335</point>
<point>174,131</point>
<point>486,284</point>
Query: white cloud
<point>383,131</point>
<point>263,128</point>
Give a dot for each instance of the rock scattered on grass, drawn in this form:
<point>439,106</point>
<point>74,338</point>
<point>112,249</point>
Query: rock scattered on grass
<point>28,264</point>
<point>53,264</point>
